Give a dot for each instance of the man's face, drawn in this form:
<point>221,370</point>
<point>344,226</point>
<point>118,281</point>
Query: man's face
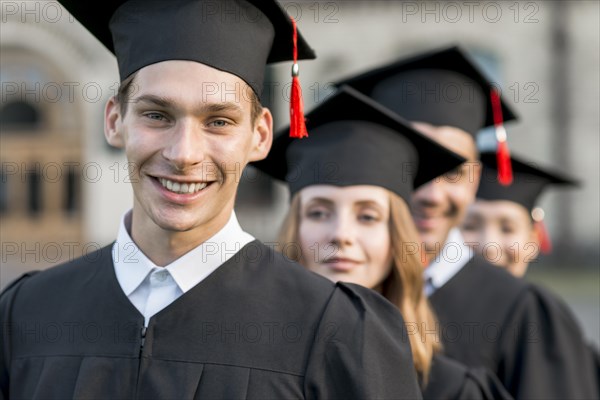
<point>188,135</point>
<point>441,204</point>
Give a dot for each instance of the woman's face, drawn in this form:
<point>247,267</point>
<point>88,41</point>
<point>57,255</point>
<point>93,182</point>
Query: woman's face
<point>344,233</point>
<point>503,233</point>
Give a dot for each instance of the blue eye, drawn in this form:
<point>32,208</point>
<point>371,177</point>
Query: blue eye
<point>219,123</point>
<point>155,116</point>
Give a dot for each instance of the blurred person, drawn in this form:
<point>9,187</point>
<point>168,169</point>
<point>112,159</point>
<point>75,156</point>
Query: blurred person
<point>160,313</point>
<point>349,221</point>
<point>506,226</point>
<point>488,317</point>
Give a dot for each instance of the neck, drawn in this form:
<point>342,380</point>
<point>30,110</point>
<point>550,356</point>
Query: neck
<point>432,250</point>
<point>163,246</point>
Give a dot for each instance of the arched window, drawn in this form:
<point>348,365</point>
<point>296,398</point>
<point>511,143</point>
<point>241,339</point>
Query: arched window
<point>19,115</point>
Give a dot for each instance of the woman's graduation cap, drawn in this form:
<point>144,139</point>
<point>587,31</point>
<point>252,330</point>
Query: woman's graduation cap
<point>356,141</point>
<point>443,87</point>
<point>235,36</point>
<point>529,181</point>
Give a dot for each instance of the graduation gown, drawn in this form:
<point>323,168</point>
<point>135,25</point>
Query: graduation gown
<point>259,326</point>
<point>451,380</point>
<point>489,318</point>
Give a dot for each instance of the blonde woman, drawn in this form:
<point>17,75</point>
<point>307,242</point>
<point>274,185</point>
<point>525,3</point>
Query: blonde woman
<point>349,221</point>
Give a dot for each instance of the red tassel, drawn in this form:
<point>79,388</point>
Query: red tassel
<point>545,242</point>
<point>504,165</point>
<point>538,224</point>
<point>505,176</point>
<point>297,120</point>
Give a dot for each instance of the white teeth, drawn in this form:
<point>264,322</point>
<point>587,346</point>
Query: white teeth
<point>184,188</point>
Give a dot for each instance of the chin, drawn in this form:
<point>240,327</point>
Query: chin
<point>175,223</point>
<point>434,240</point>
<point>175,226</point>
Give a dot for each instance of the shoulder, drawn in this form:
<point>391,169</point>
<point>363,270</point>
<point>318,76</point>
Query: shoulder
<point>495,289</point>
<point>270,270</point>
<point>264,267</point>
<point>450,379</point>
<point>549,313</point>
<point>353,310</point>
<point>446,378</point>
<point>61,278</point>
<point>361,299</point>
<point>483,271</point>
<point>361,349</point>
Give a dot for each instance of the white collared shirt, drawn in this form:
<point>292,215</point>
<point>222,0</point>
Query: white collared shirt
<point>151,288</point>
<point>454,255</point>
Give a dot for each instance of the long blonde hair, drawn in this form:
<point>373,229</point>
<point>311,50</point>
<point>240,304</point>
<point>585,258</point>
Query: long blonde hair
<point>403,287</point>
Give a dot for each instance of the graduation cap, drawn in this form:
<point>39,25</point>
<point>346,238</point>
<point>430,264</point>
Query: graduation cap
<point>235,36</point>
<point>442,87</point>
<point>529,181</point>
<point>356,141</point>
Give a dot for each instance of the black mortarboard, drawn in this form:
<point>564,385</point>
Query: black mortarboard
<point>356,141</point>
<point>236,36</point>
<point>528,181</point>
<point>443,87</point>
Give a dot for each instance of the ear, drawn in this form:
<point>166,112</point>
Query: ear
<point>112,123</point>
<point>262,136</point>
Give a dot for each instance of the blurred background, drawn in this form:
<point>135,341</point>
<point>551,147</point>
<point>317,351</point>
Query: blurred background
<point>63,190</point>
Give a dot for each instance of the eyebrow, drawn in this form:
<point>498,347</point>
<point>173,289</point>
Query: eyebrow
<point>357,203</point>
<point>319,200</point>
<point>167,102</point>
<point>369,203</point>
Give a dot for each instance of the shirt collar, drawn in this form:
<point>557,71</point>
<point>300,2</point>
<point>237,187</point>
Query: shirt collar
<point>197,264</point>
<point>453,256</point>
<point>132,266</point>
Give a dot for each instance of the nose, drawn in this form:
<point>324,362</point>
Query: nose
<point>491,245</point>
<point>342,233</point>
<point>185,147</point>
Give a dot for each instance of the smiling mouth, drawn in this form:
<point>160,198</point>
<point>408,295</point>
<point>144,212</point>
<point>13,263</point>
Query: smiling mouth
<point>339,260</point>
<point>182,188</point>
<point>341,265</point>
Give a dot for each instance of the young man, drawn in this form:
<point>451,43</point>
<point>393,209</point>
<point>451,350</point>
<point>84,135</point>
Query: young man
<point>488,317</point>
<point>186,304</point>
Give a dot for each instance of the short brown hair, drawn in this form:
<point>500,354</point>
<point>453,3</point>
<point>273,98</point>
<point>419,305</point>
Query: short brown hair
<point>126,88</point>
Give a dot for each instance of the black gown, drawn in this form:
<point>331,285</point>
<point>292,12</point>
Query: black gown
<point>490,318</point>
<point>258,327</point>
<point>451,380</point>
